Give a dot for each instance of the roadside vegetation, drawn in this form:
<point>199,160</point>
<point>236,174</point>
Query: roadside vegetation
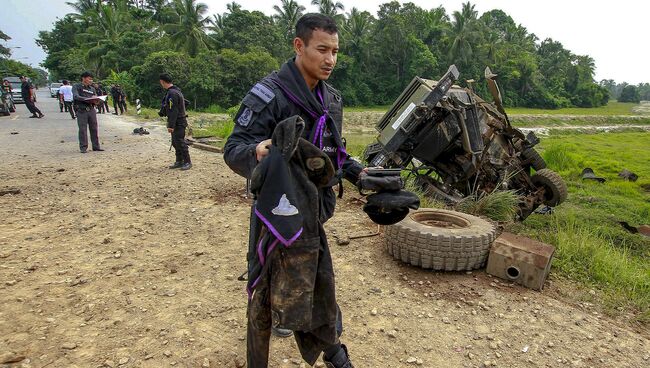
<point>592,246</point>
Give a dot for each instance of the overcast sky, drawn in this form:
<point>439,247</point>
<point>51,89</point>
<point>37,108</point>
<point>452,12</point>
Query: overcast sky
<point>614,33</point>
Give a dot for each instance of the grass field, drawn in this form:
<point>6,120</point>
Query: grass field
<point>612,108</point>
<point>592,247</point>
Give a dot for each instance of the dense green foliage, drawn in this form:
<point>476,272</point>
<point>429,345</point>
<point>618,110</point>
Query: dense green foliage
<point>15,68</point>
<point>216,58</point>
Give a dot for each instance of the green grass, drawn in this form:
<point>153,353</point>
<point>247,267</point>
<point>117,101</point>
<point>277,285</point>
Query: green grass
<point>499,205</point>
<point>219,129</point>
<point>612,108</point>
<point>380,108</point>
<point>592,247</point>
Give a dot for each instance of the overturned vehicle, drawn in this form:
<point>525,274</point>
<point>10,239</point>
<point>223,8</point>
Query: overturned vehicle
<point>456,145</point>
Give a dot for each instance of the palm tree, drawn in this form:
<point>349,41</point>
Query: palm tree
<point>287,16</point>
<point>463,33</point>
<point>328,7</point>
<point>188,32</point>
<point>82,6</point>
<point>105,25</point>
<point>356,29</point>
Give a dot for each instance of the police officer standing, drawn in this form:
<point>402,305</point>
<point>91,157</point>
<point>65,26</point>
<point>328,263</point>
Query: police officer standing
<point>117,103</point>
<point>27,93</point>
<point>173,107</point>
<point>297,89</point>
<point>85,99</point>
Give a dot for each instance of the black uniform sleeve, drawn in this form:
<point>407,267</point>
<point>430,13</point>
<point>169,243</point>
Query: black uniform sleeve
<point>75,93</point>
<point>351,170</point>
<point>173,109</point>
<point>254,123</point>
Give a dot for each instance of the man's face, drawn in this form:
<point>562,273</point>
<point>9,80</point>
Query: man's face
<point>318,58</point>
<point>87,80</point>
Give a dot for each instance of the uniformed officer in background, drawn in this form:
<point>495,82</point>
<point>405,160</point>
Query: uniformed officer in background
<point>117,102</point>
<point>27,93</point>
<point>173,107</point>
<point>85,100</point>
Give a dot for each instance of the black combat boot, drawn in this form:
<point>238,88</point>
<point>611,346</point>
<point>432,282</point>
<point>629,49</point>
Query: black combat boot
<point>340,360</point>
<point>176,165</point>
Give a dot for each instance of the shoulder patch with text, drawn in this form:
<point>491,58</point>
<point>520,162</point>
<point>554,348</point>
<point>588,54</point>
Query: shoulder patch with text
<point>263,92</point>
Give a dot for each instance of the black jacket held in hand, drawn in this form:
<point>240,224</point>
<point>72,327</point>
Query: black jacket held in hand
<point>290,269</point>
<point>173,106</point>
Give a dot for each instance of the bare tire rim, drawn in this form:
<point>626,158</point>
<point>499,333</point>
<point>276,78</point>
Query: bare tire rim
<point>440,220</point>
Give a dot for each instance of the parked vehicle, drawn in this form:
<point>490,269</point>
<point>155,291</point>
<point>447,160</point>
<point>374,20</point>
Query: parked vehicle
<point>456,144</point>
<point>54,89</point>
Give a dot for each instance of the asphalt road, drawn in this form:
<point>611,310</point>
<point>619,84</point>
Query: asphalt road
<point>56,134</point>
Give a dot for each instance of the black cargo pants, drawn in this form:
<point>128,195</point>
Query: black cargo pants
<point>68,107</point>
<point>178,142</point>
<point>87,120</point>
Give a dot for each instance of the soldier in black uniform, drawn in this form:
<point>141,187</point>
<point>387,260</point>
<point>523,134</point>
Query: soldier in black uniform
<point>299,88</point>
<point>117,102</point>
<point>27,92</point>
<point>173,107</point>
<point>85,100</point>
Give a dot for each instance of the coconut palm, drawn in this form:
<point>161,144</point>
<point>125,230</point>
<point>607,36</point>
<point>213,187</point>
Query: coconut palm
<point>328,7</point>
<point>463,34</point>
<point>356,31</point>
<point>188,31</point>
<point>287,16</point>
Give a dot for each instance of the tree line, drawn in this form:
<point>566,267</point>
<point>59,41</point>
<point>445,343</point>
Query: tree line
<point>15,68</point>
<point>216,58</point>
<point>624,92</point>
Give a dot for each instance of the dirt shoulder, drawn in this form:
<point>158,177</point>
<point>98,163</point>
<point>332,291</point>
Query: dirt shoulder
<point>110,259</point>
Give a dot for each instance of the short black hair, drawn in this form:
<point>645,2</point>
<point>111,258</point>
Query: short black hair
<point>86,74</point>
<point>312,21</point>
<point>65,81</point>
<point>165,77</point>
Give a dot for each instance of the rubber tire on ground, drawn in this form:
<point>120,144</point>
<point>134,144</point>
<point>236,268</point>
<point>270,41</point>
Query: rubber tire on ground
<point>441,248</point>
<point>556,189</point>
<point>536,160</point>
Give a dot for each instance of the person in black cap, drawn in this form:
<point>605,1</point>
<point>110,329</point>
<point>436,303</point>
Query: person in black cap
<point>27,92</point>
<point>173,107</point>
<point>85,100</point>
<point>298,89</point>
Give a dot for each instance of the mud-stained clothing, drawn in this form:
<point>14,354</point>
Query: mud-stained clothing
<point>279,96</point>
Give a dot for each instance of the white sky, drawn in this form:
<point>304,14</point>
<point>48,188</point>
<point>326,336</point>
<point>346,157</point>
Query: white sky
<point>614,33</point>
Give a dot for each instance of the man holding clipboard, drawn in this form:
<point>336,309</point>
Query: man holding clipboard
<point>85,99</point>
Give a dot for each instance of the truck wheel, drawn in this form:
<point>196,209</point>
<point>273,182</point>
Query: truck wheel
<point>536,160</point>
<point>556,190</point>
<point>441,240</point>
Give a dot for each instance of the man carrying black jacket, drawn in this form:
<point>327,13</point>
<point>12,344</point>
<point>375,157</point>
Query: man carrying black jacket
<point>298,89</point>
<point>173,107</point>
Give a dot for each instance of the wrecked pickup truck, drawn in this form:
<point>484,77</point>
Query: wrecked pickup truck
<point>456,144</point>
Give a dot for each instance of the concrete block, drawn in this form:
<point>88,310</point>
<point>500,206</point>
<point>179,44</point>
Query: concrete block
<point>521,260</point>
